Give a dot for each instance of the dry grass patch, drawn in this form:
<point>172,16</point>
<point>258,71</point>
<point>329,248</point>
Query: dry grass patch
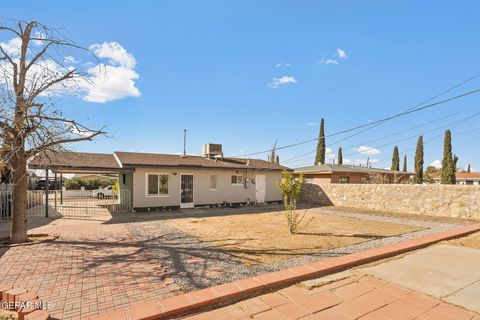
<point>264,238</point>
<point>470,241</point>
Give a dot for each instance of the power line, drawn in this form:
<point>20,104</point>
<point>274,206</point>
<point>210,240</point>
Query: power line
<point>404,113</point>
<point>440,135</point>
<point>456,124</point>
<point>300,157</point>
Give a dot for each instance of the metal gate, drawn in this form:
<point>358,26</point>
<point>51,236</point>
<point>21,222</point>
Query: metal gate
<point>67,202</point>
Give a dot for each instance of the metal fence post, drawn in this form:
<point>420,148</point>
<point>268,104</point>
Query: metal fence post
<point>47,186</point>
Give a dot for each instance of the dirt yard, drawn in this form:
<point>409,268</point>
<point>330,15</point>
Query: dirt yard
<point>261,238</point>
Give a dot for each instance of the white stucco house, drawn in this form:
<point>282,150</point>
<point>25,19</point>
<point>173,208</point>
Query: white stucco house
<point>169,181</point>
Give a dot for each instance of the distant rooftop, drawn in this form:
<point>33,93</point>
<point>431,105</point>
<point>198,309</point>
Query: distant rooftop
<point>344,168</point>
<point>467,175</point>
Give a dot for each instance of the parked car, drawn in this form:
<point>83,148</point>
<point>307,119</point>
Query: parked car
<point>41,184</point>
<point>103,193</point>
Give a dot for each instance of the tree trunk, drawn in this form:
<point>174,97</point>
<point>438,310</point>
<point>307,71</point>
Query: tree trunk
<point>18,231</point>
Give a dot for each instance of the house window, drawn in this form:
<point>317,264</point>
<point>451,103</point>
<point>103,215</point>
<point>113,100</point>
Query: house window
<point>124,178</point>
<point>213,182</point>
<point>157,184</point>
<point>237,180</point>
<point>343,179</point>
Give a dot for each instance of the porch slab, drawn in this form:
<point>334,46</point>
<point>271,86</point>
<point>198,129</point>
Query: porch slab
<point>446,272</point>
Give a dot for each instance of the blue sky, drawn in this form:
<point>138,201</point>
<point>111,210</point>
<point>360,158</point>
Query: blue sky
<point>210,67</point>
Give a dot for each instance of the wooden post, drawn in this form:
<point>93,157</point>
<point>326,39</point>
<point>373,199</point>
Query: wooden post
<point>47,186</point>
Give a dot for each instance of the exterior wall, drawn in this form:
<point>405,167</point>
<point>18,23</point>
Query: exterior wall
<point>436,200</point>
<point>352,177</point>
<point>319,178</point>
<point>225,191</point>
<point>474,182</point>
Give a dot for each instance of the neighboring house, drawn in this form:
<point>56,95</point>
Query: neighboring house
<point>468,178</point>
<point>331,173</point>
<point>159,181</point>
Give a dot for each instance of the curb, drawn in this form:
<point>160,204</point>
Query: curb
<point>194,301</point>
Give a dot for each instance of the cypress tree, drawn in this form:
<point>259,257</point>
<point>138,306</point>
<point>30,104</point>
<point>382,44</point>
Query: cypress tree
<point>277,160</point>
<point>419,161</point>
<point>468,168</point>
<point>448,162</point>
<point>272,158</point>
<point>320,157</point>
<point>340,156</point>
<point>395,160</point>
<point>405,163</point>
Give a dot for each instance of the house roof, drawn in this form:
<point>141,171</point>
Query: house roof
<point>343,168</point>
<point>75,161</point>
<point>134,159</point>
<point>121,161</point>
<point>467,175</point>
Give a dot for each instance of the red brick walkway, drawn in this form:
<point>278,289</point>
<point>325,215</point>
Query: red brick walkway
<point>365,298</point>
<point>94,267</point>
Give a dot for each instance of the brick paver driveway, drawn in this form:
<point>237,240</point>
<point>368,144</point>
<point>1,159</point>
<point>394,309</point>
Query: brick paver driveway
<point>95,266</point>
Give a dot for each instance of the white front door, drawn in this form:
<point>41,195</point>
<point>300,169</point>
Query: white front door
<point>260,187</point>
<point>186,191</point>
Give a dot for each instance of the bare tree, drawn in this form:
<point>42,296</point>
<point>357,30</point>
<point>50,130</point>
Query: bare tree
<point>34,70</point>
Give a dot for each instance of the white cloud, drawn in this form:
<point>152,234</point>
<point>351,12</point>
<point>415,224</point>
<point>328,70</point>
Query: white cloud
<point>311,124</point>
<point>437,164</point>
<point>12,46</point>
<point>276,82</point>
<point>331,61</point>
<point>69,59</point>
<point>341,54</point>
<point>116,54</point>
<point>112,80</point>
<point>280,64</point>
<point>329,155</point>
<point>367,150</point>
<point>328,61</point>
<point>110,83</point>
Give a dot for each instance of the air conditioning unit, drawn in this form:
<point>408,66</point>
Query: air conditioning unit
<point>211,150</point>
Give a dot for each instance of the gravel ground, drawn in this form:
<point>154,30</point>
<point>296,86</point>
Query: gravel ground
<point>195,265</point>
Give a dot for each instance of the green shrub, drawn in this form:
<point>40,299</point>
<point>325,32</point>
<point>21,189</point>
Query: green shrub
<point>291,187</point>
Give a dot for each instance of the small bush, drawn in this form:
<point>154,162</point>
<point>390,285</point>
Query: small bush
<point>291,187</point>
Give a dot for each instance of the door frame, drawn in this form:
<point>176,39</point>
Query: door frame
<point>264,185</point>
<point>190,204</point>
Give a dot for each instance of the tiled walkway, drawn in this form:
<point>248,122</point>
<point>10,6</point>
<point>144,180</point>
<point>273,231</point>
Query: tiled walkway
<point>359,297</point>
<point>94,267</point>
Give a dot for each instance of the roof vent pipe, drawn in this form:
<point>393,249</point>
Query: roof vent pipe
<point>184,143</point>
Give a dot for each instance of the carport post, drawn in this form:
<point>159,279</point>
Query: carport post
<point>61,188</point>
<point>55,189</point>
<point>47,186</point>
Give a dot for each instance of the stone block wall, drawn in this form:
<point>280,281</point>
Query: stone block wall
<point>437,200</point>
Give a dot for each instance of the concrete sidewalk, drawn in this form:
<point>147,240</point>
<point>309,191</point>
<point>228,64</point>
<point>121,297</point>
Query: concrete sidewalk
<point>449,273</point>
